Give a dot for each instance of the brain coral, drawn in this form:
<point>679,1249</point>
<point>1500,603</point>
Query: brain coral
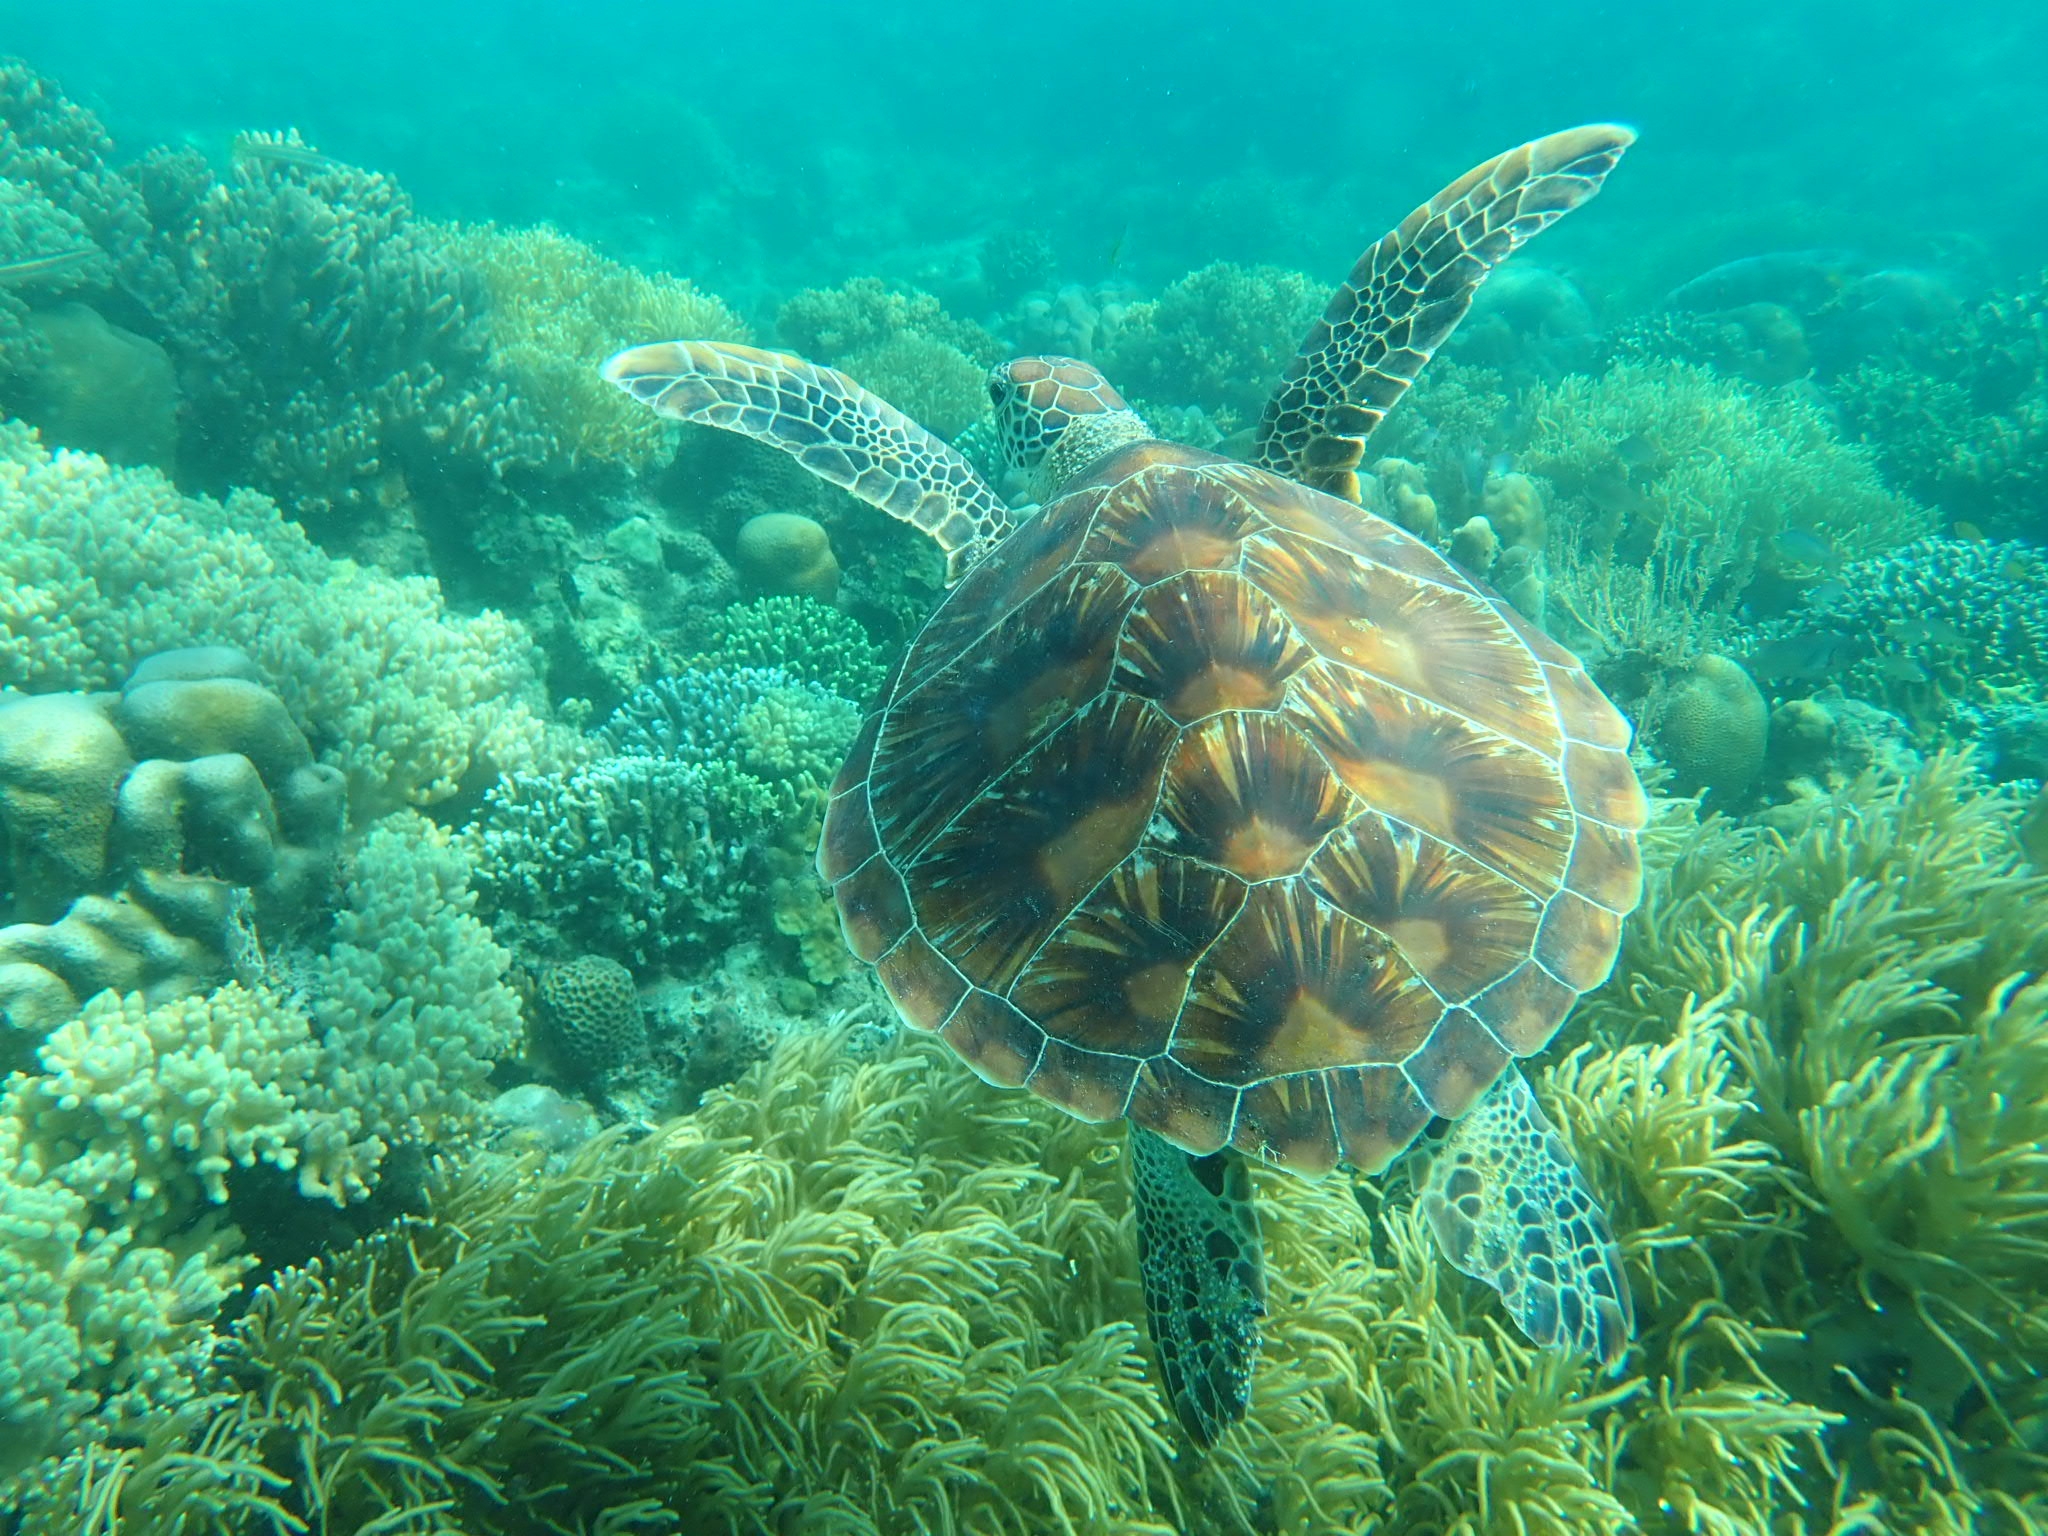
<point>99,567</point>
<point>591,1016</point>
<point>787,554</point>
<point>1712,724</point>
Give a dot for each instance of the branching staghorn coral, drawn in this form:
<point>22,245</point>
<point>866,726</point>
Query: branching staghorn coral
<point>660,851</point>
<point>640,859</point>
<point>61,156</point>
<point>810,640</point>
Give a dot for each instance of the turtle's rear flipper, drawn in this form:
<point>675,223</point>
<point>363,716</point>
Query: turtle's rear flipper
<point>1205,1288</point>
<point>1508,1207</point>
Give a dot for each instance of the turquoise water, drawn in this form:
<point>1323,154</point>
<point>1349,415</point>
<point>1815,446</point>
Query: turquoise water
<point>502,885</point>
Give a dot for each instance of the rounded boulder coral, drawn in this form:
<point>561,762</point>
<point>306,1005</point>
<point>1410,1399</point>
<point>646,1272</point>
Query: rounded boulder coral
<point>1712,725</point>
<point>787,555</point>
<point>590,1017</point>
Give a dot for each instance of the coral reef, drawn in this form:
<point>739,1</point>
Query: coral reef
<point>1711,725</point>
<point>1652,452</point>
<point>787,554</point>
<point>556,307</point>
<point>1218,338</point>
<point>1762,342</point>
<point>99,567</point>
<point>657,852</point>
<point>66,200</point>
<point>809,640</point>
<point>882,1297</point>
<point>900,344</point>
<point>99,387</point>
<point>1961,419</point>
<point>1677,498</point>
<point>145,835</point>
<point>590,1017</point>
<point>330,346</point>
<point>640,859</point>
<point>1015,262</point>
<point>1528,322</point>
<point>768,722</point>
<point>830,325</point>
<point>1854,972</point>
<point>121,1146</point>
<point>1939,632</point>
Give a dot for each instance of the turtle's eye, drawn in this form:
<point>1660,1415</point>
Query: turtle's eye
<point>998,389</point>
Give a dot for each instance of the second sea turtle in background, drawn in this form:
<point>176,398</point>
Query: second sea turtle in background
<point>1209,801</point>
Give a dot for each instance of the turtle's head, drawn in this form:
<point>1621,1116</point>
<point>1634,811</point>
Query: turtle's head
<point>1057,415</point>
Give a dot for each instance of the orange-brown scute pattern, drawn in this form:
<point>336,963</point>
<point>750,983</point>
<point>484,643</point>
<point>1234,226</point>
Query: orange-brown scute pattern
<point>1214,802</point>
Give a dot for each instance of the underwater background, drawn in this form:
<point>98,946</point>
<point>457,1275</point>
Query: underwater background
<point>438,1097</point>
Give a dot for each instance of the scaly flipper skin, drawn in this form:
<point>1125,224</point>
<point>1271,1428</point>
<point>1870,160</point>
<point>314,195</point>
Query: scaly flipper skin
<point>1508,1206</point>
<point>1409,292</point>
<point>1205,1288</point>
<point>830,425</point>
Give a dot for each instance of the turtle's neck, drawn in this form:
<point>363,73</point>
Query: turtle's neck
<point>1086,439</point>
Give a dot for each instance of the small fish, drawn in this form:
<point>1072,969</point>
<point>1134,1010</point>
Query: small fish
<point>1799,659</point>
<point>1479,467</point>
<point>1116,249</point>
<point>1827,592</point>
<point>1802,546</point>
<point>1901,669</point>
<point>1967,531</point>
<point>1924,630</point>
<point>1640,453</point>
<point>264,146</point>
<point>31,269</point>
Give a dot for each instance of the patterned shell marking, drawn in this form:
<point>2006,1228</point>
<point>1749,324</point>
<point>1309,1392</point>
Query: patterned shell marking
<point>1213,801</point>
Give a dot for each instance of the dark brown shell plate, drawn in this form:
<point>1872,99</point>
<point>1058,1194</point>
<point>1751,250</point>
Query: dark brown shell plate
<point>1216,802</point>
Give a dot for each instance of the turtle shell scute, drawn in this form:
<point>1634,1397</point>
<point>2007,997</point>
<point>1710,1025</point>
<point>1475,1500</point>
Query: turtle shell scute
<point>1213,802</point>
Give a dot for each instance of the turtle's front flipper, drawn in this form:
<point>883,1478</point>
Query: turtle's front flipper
<point>1509,1207</point>
<point>1205,1288</point>
<point>830,425</point>
<point>1408,293</point>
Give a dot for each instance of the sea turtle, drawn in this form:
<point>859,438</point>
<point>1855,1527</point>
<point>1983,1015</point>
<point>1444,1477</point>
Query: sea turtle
<point>1209,801</point>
